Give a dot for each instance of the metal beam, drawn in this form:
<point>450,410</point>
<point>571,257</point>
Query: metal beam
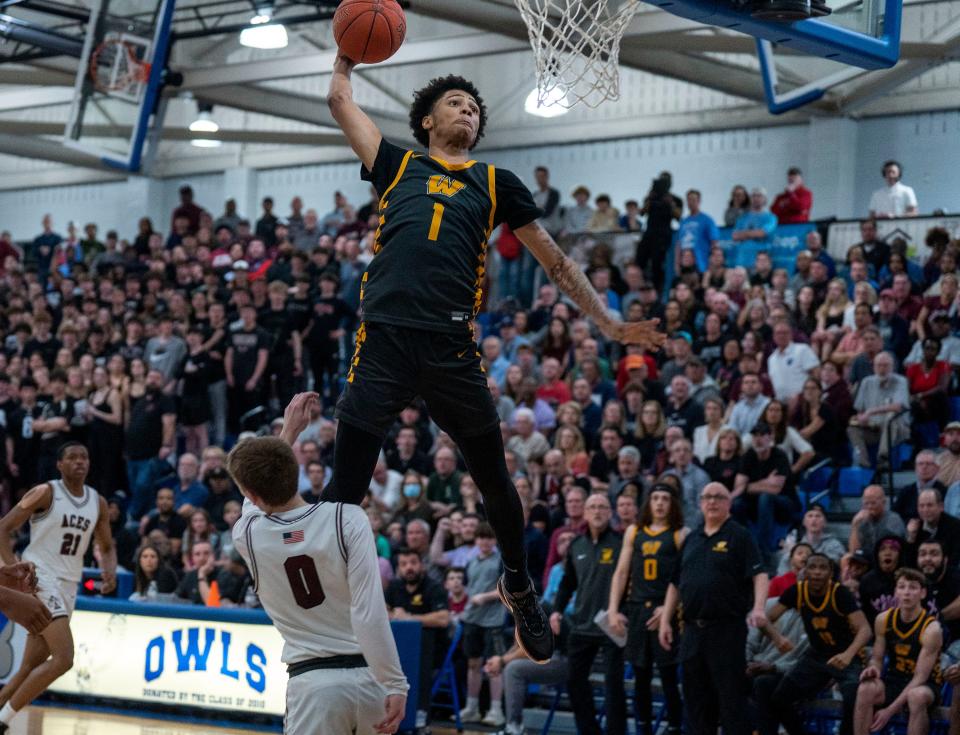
<point>34,77</point>
<point>414,52</point>
<point>268,137</point>
<point>35,97</point>
<point>60,176</point>
<point>46,150</point>
<point>880,83</point>
<point>291,106</point>
<point>556,133</point>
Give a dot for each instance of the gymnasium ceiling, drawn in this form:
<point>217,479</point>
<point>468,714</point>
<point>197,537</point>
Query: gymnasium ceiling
<point>677,76</point>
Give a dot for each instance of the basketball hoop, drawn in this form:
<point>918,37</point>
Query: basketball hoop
<point>115,68</point>
<point>576,44</point>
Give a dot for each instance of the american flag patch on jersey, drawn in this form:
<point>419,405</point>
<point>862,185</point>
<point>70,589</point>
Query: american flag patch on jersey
<point>293,537</point>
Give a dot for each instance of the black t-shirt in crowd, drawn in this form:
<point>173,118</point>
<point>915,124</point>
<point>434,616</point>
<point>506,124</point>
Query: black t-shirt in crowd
<point>246,347</point>
<point>940,594</point>
<point>687,416</point>
<point>145,430</point>
<point>428,268</point>
<point>173,525</point>
<point>214,505</point>
<point>328,315</point>
<point>216,352</point>
<point>189,588</point>
<point>756,469</point>
<point>723,470</point>
<point>50,441</point>
<point>426,597</point>
<point>279,326</point>
<point>48,349</point>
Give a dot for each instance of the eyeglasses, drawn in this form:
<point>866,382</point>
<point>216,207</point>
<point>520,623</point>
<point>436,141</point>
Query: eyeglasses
<point>711,497</point>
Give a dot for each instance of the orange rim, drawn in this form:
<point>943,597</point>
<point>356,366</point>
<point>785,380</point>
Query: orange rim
<point>138,71</point>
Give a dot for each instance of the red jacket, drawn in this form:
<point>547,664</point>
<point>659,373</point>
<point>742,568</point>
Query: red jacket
<point>793,207</point>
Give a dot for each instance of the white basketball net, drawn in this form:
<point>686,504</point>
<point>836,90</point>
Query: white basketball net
<point>576,44</point>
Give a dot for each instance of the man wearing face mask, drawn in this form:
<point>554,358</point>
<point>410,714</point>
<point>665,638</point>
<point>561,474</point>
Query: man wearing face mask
<point>415,596</point>
<point>151,432</point>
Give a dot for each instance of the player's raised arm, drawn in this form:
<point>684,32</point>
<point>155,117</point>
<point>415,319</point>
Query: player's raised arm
<point>37,499</point>
<point>574,283</point>
<point>362,133</point>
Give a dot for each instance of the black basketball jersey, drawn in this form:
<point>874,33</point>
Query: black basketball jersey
<point>430,249</point>
<point>651,567</point>
<point>825,620</point>
<point>904,645</point>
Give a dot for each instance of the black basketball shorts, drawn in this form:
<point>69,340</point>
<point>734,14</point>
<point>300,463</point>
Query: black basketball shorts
<point>393,365</point>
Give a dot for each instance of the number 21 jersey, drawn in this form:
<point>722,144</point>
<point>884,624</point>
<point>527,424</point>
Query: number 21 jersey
<point>60,535</point>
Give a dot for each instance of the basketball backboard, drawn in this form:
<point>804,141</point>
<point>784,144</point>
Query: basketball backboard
<point>861,33</point>
<point>118,79</point>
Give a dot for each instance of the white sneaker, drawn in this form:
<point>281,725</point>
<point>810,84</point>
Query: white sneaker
<point>494,718</point>
<point>470,714</point>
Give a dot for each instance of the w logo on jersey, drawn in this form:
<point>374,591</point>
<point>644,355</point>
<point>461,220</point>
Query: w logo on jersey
<point>444,185</point>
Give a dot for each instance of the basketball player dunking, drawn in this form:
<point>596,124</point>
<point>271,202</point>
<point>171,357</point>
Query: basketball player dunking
<point>419,296</point>
<point>65,515</point>
<point>315,570</point>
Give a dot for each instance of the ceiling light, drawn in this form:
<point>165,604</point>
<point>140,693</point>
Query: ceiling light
<point>204,123</point>
<point>262,33</point>
<point>205,143</point>
<point>554,105</point>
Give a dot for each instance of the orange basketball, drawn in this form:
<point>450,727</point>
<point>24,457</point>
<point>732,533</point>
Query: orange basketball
<point>369,31</point>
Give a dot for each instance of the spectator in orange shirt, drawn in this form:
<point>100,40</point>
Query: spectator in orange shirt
<point>792,206</point>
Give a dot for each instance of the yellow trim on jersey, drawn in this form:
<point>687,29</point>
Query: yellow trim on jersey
<point>383,205</point>
<point>650,532</point>
<point>396,180</point>
<point>453,166</point>
<point>913,627</point>
<point>826,598</point>
<point>492,182</point>
<point>632,532</point>
<point>833,598</point>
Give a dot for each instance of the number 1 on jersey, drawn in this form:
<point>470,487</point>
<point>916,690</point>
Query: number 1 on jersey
<point>435,223</point>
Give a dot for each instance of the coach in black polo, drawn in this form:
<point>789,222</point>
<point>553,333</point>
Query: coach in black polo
<point>721,583</point>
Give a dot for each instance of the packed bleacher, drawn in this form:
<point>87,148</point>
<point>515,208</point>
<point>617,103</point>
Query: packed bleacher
<point>821,394</point>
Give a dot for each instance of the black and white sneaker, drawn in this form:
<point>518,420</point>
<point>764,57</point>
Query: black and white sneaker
<point>532,632</point>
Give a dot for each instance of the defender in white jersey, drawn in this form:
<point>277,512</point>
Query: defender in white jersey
<point>315,570</point>
<point>65,515</point>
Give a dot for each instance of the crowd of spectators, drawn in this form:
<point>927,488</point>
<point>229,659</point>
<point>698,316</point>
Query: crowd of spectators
<point>159,348</point>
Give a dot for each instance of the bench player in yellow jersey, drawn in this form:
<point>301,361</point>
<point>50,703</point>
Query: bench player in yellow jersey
<point>837,630</point>
<point>420,295</point>
<point>909,639</point>
<point>651,550</point>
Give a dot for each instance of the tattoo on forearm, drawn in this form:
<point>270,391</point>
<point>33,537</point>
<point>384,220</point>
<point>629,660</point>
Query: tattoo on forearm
<point>575,284</point>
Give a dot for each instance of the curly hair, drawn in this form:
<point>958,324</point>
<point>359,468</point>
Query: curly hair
<point>424,100</point>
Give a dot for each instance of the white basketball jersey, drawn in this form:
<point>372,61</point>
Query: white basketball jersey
<point>316,572</point>
<point>60,535</point>
<point>299,567</point>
